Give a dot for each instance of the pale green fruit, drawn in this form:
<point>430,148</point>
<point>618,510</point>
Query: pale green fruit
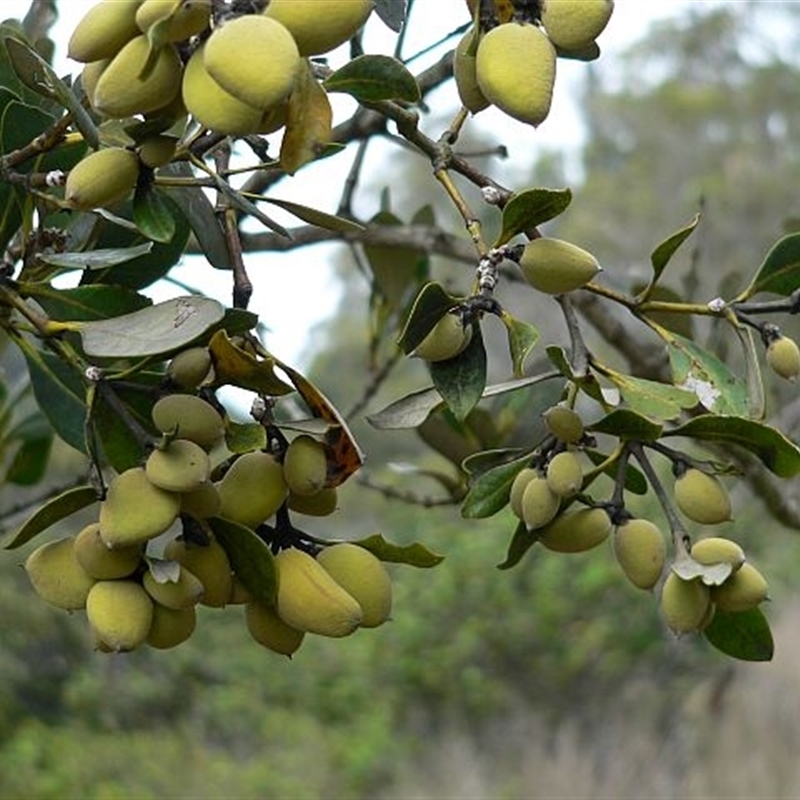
<point>465,74</point>
<point>576,530</point>
<point>718,550</point>
<point>209,564</point>
<point>270,631</point>
<point>641,551</point>
<point>310,600</point>
<point>124,89</point>
<point>135,510</point>
<point>156,151</point>
<point>201,502</point>
<point>182,593</point>
<point>104,30</point>
<point>305,465</point>
<point>702,498</point>
<point>575,24</point>
<point>518,486</point>
<point>363,576</point>
<point>744,589</point>
<point>57,576</point>
<point>254,58</point>
<point>445,340</point>
<point>685,604</point>
<point>564,423</point>
<point>189,368</point>
<point>515,65</point>
<point>120,614</point>
<point>102,563</point>
<point>565,474</point>
<point>320,25</point>
<point>189,417</point>
<point>321,504</point>
<point>90,75</point>
<point>783,357</point>
<point>554,266</point>
<point>171,626</point>
<point>102,178</point>
<point>253,489</point>
<point>180,466</point>
<point>539,504</point>
<point>186,17</point>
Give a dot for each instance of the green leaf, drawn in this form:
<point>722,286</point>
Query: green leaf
<point>663,253</point>
<point>315,217</point>
<point>780,271</point>
<point>488,493</point>
<point>415,555</point>
<point>778,453</point>
<point>461,380</point>
<point>49,514</point>
<point>430,305</point>
<point>153,215</point>
<point>626,424</point>
<point>742,634</point>
<point>373,78</point>
<point>522,338</point>
<point>520,543</point>
<point>530,208</point>
<point>244,437</point>
<point>250,557</point>
<point>392,13</point>
<point>29,464</point>
<point>658,401</point>
<point>85,302</point>
<point>237,367</point>
<point>153,330</point>
<point>96,259</point>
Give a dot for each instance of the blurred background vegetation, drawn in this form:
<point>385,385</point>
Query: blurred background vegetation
<point>554,679</point>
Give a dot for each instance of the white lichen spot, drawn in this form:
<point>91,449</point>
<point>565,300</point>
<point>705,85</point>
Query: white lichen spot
<point>706,392</point>
<point>716,305</point>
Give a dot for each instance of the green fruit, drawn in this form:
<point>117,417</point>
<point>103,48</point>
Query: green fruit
<point>310,600</point>
<point>744,589</point>
<point>539,504</point>
<point>171,626</point>
<point>90,75</point>
<point>189,368</point>
<point>156,151</point>
<point>125,88</point>
<point>321,504</point>
<point>180,466</point>
<point>685,604</point>
<point>202,502</point>
<point>518,486</point>
<point>186,17</point>
<point>565,474</point>
<point>554,266</point>
<point>57,576</point>
<point>102,178</point>
<point>135,510</point>
<point>445,340</point>
<point>515,65</point>
<point>120,614</point>
<point>101,563</point>
<point>269,630</point>
<point>717,550</point>
<point>189,417</point>
<point>318,26</point>
<point>363,576</point>
<point>702,498</point>
<point>186,591</point>
<point>253,489</point>
<point>564,423</point>
<point>209,564</point>
<point>465,73</point>
<point>254,58</point>
<point>641,551</point>
<point>305,465</point>
<point>576,531</point>
<point>783,357</point>
<point>575,24</point>
<point>104,30</point>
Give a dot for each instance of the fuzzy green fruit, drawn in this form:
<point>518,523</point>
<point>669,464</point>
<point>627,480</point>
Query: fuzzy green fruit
<point>576,530</point>
<point>189,417</point>
<point>186,591</point>
<point>465,74</point>
<point>564,423</point>
<point>783,357</point>
<point>318,26</point>
<point>363,576</point>
<point>565,474</point>
<point>201,502</point>
<point>310,600</point>
<point>718,550</point>
<point>518,486</point>
<point>57,576</point>
<point>180,466</point>
<point>171,626</point>
<point>554,266</point>
<point>156,151</point>
<point>102,563</point>
<point>270,631</point>
<point>120,614</point>
<point>186,18</point>
<point>253,489</point>
<point>702,498</point>
<point>135,510</point>
<point>254,58</point>
<point>189,368</point>
<point>305,465</point>
<point>515,66</point>
<point>209,564</point>
<point>321,504</point>
<point>685,604</point>
<point>104,30</point>
<point>445,340</point>
<point>641,552</point>
<point>575,24</point>
<point>102,178</point>
<point>539,504</point>
<point>744,589</point>
<point>125,89</point>
<point>90,75</point>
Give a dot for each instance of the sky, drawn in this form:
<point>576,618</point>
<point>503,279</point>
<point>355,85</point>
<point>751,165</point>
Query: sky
<point>295,291</point>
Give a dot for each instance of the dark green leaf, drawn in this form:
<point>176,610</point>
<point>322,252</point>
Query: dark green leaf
<point>315,217</point>
<point>780,271</point>
<point>530,208</point>
<point>430,305</point>
<point>661,256</point>
<point>488,493</point>
<point>374,77</point>
<point>153,214</point>
<point>462,380</point>
<point>86,302</point>
<point>520,543</point>
<point>415,555</point>
<point>392,12</point>
<point>522,338</point>
<point>29,463</point>
<point>627,424</point>
<point>743,634</point>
